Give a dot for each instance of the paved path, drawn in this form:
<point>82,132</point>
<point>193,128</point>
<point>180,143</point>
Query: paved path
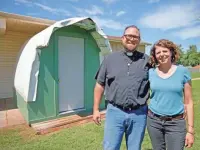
<point>9,114</point>
<point>11,117</point>
<point>196,79</point>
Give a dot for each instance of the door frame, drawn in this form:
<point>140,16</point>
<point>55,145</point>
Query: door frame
<point>67,105</point>
<point>66,34</point>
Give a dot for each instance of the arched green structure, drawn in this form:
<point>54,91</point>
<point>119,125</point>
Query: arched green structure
<point>46,105</point>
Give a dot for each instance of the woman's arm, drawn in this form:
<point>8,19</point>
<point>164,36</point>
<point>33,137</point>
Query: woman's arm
<point>190,113</point>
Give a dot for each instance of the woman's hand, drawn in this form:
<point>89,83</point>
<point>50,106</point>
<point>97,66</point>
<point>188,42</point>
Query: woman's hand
<point>189,140</point>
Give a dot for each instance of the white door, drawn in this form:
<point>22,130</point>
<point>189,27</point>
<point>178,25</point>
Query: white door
<point>71,73</point>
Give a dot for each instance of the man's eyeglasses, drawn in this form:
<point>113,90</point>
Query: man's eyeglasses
<point>131,37</point>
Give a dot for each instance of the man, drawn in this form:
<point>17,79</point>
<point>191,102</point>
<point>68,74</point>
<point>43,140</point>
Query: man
<point>124,75</point>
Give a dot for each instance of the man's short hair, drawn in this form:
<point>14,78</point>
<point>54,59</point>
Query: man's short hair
<point>131,26</point>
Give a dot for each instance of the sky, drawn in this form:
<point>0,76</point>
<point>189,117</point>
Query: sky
<point>175,20</point>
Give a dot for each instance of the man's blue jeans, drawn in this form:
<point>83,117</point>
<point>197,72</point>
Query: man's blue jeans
<point>118,123</point>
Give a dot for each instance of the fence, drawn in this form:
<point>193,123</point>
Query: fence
<point>194,70</point>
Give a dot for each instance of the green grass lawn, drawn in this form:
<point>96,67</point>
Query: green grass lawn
<point>195,75</point>
<point>85,137</point>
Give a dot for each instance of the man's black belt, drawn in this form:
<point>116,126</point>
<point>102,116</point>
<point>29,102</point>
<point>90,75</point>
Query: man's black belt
<point>129,108</point>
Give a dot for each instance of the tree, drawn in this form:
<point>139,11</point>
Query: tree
<point>193,56</point>
<point>181,53</point>
<point>190,58</point>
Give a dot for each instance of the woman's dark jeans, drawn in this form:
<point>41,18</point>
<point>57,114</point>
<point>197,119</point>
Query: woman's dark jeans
<point>168,135</point>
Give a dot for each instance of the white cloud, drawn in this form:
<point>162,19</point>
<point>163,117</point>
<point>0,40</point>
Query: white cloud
<point>120,13</point>
<point>187,33</point>
<point>46,8</point>
<point>95,10</point>
<point>23,1</point>
<point>153,1</point>
<point>109,23</point>
<point>109,1</point>
<point>53,10</point>
<point>169,17</point>
<point>74,0</point>
<point>102,22</point>
<point>111,12</point>
<point>63,12</point>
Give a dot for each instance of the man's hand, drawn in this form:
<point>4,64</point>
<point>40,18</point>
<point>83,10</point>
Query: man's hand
<point>98,91</point>
<point>97,117</point>
<point>189,140</point>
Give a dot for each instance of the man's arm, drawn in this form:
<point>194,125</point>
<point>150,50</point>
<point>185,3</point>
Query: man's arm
<point>98,92</point>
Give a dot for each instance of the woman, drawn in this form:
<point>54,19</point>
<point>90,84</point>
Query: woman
<point>171,95</point>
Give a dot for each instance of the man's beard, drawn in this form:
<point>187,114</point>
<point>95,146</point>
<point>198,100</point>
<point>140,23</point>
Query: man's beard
<point>127,48</point>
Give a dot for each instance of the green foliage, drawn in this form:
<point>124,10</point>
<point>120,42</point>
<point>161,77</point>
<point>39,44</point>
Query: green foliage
<point>189,58</point>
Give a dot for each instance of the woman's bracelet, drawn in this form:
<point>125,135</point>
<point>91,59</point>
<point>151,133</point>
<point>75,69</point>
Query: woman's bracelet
<point>190,126</point>
<point>190,132</point>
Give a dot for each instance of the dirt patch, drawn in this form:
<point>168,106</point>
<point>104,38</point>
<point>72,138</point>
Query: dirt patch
<point>27,132</point>
<point>24,131</point>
